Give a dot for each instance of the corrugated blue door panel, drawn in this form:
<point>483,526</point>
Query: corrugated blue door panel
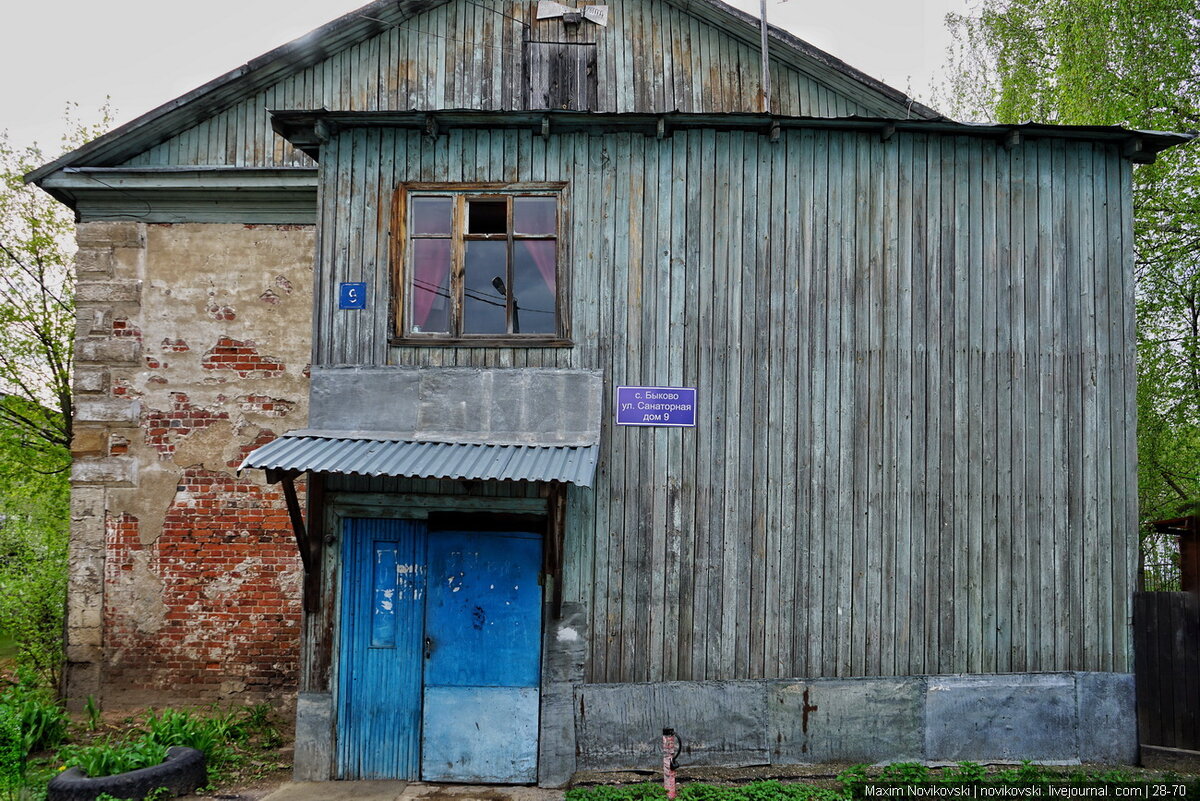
<point>379,672</point>
<point>483,630</point>
<point>472,733</point>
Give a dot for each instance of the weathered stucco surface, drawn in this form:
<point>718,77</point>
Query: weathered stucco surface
<point>193,345</point>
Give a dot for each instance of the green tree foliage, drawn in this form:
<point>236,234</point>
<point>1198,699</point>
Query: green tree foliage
<point>37,325</point>
<point>34,525</point>
<point>1116,62</point>
<point>37,312</point>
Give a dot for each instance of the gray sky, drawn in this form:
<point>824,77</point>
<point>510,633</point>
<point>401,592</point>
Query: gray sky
<point>143,53</point>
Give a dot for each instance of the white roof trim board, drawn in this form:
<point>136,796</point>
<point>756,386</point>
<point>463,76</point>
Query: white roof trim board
<point>374,456</point>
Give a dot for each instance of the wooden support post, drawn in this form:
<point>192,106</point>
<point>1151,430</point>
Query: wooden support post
<point>1189,556</point>
<point>552,553</point>
<point>309,556</point>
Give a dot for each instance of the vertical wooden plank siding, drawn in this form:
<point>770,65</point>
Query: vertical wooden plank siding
<point>464,55</point>
<point>914,371</point>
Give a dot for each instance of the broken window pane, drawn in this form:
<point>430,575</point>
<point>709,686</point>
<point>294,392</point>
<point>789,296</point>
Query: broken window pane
<point>534,287</point>
<point>534,215</point>
<point>430,286</point>
<point>485,288</point>
<point>432,215</point>
<point>487,217</point>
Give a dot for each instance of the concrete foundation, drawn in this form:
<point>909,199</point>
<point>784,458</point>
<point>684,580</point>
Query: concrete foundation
<point>1070,717</point>
<point>1045,717</point>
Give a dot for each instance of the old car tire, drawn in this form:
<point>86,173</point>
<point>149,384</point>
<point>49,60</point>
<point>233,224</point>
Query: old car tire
<point>181,772</point>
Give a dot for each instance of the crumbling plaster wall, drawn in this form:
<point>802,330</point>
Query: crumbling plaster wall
<point>192,348</point>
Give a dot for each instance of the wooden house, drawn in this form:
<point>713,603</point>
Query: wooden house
<point>380,339</point>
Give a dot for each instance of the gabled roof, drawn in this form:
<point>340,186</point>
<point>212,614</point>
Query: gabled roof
<point>263,72</point>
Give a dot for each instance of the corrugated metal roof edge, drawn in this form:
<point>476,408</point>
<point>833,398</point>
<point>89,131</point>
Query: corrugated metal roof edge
<point>575,464</point>
<point>223,91</point>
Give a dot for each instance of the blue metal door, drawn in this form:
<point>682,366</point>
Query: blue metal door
<point>379,673</point>
<point>440,654</point>
<point>482,657</point>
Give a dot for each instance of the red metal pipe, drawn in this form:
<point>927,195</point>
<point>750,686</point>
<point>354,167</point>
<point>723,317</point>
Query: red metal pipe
<point>671,745</point>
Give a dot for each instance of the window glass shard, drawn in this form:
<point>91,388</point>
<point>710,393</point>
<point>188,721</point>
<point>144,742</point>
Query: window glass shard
<point>534,215</point>
<point>430,285</point>
<point>485,289</point>
<point>432,215</point>
<point>534,287</point>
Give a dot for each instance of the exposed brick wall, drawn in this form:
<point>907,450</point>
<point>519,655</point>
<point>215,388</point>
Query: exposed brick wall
<point>241,357</point>
<point>185,580</point>
<point>162,428</point>
<point>227,621</point>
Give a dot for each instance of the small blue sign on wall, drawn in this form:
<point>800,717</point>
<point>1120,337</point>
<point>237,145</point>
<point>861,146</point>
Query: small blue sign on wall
<point>352,296</point>
<point>656,406</point>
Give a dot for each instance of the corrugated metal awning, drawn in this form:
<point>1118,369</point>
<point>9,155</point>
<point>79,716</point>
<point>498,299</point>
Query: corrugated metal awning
<point>374,456</point>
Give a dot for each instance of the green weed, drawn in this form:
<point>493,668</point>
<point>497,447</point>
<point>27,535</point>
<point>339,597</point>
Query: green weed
<point>12,754</point>
<point>964,773</point>
<point>905,773</point>
<point>43,723</point>
<point>92,710</point>
<point>109,758</point>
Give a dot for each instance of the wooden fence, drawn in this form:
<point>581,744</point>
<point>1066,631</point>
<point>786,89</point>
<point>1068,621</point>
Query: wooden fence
<point>1166,642</point>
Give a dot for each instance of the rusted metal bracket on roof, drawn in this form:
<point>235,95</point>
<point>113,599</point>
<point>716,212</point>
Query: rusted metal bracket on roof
<point>308,545</point>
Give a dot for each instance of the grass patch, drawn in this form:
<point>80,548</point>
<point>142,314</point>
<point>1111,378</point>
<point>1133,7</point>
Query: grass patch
<point>849,784</point>
<point>37,741</point>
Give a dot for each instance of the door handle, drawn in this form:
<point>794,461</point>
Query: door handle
<point>428,647</point>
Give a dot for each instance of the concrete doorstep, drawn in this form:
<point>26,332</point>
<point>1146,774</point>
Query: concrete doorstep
<point>407,791</point>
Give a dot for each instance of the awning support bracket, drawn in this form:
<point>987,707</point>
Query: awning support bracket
<point>308,546</point>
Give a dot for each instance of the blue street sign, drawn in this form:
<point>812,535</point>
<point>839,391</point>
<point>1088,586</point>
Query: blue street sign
<point>656,406</point>
<point>352,296</point>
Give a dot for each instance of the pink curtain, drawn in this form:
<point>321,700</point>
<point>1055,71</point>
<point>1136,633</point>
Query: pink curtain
<point>431,263</point>
<point>543,257</point>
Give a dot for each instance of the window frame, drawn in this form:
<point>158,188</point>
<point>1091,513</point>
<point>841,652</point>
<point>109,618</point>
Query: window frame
<point>401,256</point>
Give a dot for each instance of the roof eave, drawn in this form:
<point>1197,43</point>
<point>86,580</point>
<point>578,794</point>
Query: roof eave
<point>308,130</point>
